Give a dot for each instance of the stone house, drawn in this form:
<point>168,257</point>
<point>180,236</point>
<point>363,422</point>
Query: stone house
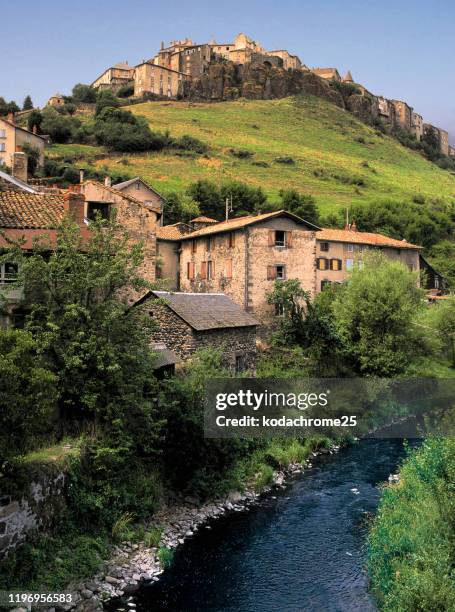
<point>186,322</point>
<point>451,151</point>
<point>243,257</point>
<point>338,251</point>
<point>168,253</point>
<point>417,125</point>
<point>115,77</point>
<point>289,61</point>
<point>140,219</point>
<point>442,135</point>
<point>13,138</point>
<point>56,100</point>
<point>151,78</point>
<point>145,193</point>
<point>329,74</point>
<point>386,111</point>
<point>403,114</point>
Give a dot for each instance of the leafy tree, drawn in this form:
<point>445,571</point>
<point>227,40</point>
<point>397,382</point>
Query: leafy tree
<point>302,205</point>
<point>33,158</point>
<point>212,199</point>
<point>83,93</point>
<point>28,395</point>
<point>179,208</point>
<point>125,91</point>
<point>374,313</point>
<point>208,197</point>
<point>28,104</point>
<point>442,257</point>
<point>106,99</point>
<point>290,299</point>
<point>34,119</point>
<point>120,130</point>
<point>59,127</point>
<point>7,107</point>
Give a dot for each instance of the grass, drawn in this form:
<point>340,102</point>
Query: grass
<point>54,454</point>
<point>338,159</point>
<point>411,544</point>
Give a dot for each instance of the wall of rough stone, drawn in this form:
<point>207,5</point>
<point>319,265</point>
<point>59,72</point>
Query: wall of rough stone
<point>37,508</point>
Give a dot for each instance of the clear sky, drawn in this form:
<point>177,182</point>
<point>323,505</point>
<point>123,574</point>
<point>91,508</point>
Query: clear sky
<point>403,50</point>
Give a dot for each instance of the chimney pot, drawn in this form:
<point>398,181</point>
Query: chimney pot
<point>74,204</point>
<point>107,181</point>
<point>81,175</point>
<point>10,116</point>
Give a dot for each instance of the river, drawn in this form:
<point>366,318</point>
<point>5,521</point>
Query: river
<point>300,549</point>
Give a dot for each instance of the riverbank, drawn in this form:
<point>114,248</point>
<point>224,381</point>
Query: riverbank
<point>135,563</point>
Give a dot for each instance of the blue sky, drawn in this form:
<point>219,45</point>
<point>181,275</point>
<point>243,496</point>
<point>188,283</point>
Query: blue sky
<point>398,49</point>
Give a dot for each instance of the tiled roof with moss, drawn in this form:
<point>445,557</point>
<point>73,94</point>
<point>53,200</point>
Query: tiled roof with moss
<point>367,238</point>
<point>23,210</point>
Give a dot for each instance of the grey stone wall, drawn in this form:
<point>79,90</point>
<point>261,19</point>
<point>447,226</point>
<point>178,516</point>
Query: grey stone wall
<point>179,337</point>
<point>36,509</point>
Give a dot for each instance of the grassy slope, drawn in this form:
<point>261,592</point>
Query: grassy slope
<point>317,134</point>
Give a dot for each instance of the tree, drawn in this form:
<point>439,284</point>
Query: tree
<point>28,395</point>
<point>212,199</point>
<point>28,104</point>
<point>59,127</point>
<point>120,130</point>
<point>374,313</point>
<point>35,119</point>
<point>179,208</point>
<point>302,205</point>
<point>33,158</point>
<point>106,99</point>
<point>83,93</point>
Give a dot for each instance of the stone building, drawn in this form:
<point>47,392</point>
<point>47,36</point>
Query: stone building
<point>12,183</point>
<point>13,139</point>
<point>386,111</point>
<point>403,114</point>
<point>442,136</point>
<point>153,79</point>
<point>329,74</point>
<point>140,219</point>
<point>186,322</point>
<point>168,253</point>
<point>243,257</point>
<point>115,77</point>
<point>417,125</point>
<point>56,100</point>
<point>338,251</point>
<point>451,151</point>
<point>145,193</point>
<point>289,61</point>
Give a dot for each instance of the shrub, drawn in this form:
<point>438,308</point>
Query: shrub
<point>59,127</point>
<point>166,556</point>
<point>285,160</point>
<point>241,153</point>
<point>189,143</point>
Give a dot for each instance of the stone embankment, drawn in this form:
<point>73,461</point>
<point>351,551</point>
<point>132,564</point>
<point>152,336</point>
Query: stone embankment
<point>134,563</point>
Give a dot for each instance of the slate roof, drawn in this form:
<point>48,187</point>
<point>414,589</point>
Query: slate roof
<point>368,238</point>
<point>17,182</point>
<point>164,356</point>
<point>205,311</point>
<point>23,210</point>
<point>240,222</point>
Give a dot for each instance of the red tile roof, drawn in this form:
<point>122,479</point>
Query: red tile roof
<point>368,238</point>
<point>21,210</point>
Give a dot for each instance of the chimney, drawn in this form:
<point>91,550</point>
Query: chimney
<point>107,181</point>
<point>10,117</point>
<point>353,227</point>
<point>74,204</point>
<point>19,166</point>
<point>35,129</point>
<point>81,175</point>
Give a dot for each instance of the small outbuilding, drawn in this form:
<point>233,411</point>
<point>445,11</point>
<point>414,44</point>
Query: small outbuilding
<point>186,322</point>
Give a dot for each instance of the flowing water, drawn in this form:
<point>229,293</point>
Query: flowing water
<point>302,548</point>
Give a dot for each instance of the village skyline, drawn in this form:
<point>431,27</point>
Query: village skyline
<point>411,63</point>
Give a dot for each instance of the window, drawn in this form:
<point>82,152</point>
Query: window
<point>2,146</point>
<point>210,270</point>
<point>279,309</point>
<point>2,133</point>
<point>193,246</point>
<point>349,264</point>
<point>336,264</point>
<point>138,186</point>
<point>324,246</point>
<point>8,273</point>
<point>325,283</point>
<point>280,272</point>
<point>280,238</point>
<point>322,263</point>
<point>239,363</point>
<point>350,248</point>
<point>436,282</point>
<point>228,268</point>
<point>97,208</point>
<point>208,244</point>
<point>190,270</point>
<point>231,240</point>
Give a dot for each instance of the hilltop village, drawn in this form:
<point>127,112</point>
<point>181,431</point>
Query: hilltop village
<point>183,69</point>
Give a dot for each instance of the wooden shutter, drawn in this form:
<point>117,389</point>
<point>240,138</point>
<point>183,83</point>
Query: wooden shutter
<point>231,240</point>
<point>228,271</point>
<point>212,269</point>
<point>271,272</point>
<point>194,246</point>
<point>204,270</point>
<point>289,239</point>
<point>190,270</point>
<point>271,237</point>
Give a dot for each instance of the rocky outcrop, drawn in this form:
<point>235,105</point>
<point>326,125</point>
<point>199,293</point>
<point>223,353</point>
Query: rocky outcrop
<point>364,108</point>
<point>228,81</point>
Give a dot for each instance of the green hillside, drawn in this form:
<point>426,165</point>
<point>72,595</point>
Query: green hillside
<point>338,159</point>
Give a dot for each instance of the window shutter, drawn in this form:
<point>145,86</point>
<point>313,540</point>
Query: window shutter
<point>289,239</point>
<point>194,246</point>
<point>212,272</point>
<point>204,270</point>
<point>271,237</point>
<point>271,272</point>
<point>190,270</point>
<point>228,272</point>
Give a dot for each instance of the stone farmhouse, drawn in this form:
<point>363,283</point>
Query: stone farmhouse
<point>186,322</point>
<point>13,139</point>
